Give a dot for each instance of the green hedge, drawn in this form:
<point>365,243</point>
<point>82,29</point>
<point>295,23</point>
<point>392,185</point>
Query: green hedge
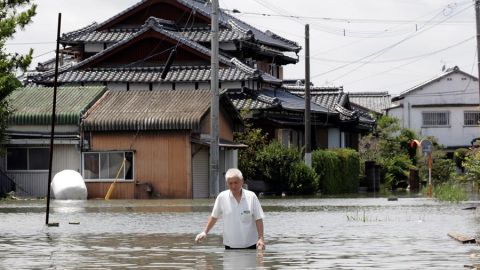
<point>303,179</point>
<point>338,170</point>
<point>275,161</point>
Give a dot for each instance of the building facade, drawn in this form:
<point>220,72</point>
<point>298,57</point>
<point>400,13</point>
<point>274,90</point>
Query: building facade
<point>445,107</point>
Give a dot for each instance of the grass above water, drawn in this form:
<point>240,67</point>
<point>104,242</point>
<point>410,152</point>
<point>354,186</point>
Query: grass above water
<point>448,192</point>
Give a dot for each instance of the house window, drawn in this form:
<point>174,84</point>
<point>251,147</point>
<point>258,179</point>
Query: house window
<point>28,159</point>
<point>471,118</point>
<point>106,165</point>
<point>435,119</point>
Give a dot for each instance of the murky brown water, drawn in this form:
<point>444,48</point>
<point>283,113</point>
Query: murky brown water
<point>316,233</point>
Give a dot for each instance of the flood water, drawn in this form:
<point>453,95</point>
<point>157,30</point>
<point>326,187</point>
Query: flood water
<point>316,233</point>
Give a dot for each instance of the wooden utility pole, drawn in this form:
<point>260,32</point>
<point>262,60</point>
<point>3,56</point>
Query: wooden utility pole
<point>54,105</point>
<point>214,106</point>
<point>477,19</point>
<point>308,131</point>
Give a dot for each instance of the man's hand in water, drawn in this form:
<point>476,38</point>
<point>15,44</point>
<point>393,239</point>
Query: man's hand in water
<point>200,237</point>
<point>260,244</point>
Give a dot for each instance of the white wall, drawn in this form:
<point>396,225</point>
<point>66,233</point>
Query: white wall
<point>34,183</point>
<point>456,134</point>
<point>455,93</point>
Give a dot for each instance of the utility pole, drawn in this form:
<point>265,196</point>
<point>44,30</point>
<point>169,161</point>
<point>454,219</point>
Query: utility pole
<point>477,19</point>
<point>214,106</point>
<point>52,134</point>
<point>308,132</point>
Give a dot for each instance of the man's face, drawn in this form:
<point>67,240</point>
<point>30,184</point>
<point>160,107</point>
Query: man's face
<point>235,184</point>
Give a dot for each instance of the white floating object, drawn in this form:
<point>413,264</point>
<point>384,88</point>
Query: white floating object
<point>69,185</point>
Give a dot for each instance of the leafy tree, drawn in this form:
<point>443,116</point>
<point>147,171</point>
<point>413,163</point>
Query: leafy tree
<point>255,139</point>
<point>388,147</point>
<point>14,14</point>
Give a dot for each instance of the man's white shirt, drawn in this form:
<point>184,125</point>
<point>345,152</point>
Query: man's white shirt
<point>239,227</point>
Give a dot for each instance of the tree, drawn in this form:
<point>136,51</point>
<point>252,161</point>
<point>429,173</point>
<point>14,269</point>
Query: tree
<point>14,14</point>
<point>388,146</point>
<point>255,139</point>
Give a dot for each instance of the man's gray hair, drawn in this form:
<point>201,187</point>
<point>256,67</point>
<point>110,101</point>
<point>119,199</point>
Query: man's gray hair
<point>233,172</point>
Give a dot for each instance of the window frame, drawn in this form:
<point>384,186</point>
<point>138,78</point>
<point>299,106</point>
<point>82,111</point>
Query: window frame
<point>465,118</point>
<point>99,179</point>
<point>28,158</point>
<point>447,125</point>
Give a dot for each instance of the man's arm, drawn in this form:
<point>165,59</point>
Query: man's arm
<point>260,242</point>
<point>211,222</point>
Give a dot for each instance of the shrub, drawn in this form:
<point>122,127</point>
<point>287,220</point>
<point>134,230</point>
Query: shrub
<point>472,166</point>
<point>349,169</point>
<point>443,169</point>
<point>303,179</point>
<point>459,157</point>
<point>326,164</point>
<point>397,170</point>
<point>274,162</point>
<point>338,170</point>
<point>255,139</point>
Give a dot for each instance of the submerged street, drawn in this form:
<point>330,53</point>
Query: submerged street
<point>358,233</point>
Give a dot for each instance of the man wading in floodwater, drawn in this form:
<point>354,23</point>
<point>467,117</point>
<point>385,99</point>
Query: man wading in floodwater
<point>242,214</point>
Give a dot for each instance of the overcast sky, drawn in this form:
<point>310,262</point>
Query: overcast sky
<point>362,45</point>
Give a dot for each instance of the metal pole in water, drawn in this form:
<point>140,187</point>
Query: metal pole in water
<point>53,119</point>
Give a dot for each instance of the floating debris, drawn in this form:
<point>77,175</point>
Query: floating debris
<point>462,238</point>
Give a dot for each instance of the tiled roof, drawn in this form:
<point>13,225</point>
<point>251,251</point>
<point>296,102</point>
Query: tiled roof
<point>114,36</point>
<point>225,19</point>
<point>237,72</point>
<point>268,99</point>
<point>299,85</point>
<point>336,100</point>
<point>267,37</point>
<point>246,99</point>
<point>147,75</point>
<point>328,99</point>
<point>33,105</point>
<point>375,101</point>
<point>149,25</point>
<point>149,110</point>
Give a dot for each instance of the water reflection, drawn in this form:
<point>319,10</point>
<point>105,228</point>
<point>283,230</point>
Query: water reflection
<point>300,233</point>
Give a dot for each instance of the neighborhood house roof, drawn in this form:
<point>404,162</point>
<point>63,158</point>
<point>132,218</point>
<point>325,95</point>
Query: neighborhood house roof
<point>268,99</point>
<point>447,73</point>
<point>238,72</point>
<point>149,110</point>
<point>235,71</point>
<point>204,8</point>
<point>374,101</point>
<point>322,96</point>
<point>33,105</point>
<point>117,35</point>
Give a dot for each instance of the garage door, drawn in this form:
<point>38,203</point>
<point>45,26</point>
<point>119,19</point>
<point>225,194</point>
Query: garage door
<point>200,174</point>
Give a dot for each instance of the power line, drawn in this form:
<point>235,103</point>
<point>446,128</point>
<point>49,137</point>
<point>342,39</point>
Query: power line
<point>341,31</point>
<point>30,43</point>
<point>394,60</point>
<point>382,51</point>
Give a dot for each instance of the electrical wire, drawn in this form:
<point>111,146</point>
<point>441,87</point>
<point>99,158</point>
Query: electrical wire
<point>382,51</point>
<point>411,62</point>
